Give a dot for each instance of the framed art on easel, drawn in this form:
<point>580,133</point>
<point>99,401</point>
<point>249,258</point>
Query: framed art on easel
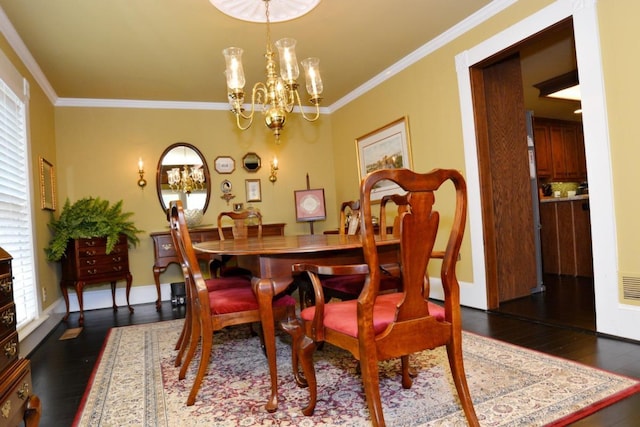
<point>310,205</point>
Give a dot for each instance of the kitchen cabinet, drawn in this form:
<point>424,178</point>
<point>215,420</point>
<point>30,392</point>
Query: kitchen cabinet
<point>542,142</point>
<point>559,148</point>
<point>565,236</point>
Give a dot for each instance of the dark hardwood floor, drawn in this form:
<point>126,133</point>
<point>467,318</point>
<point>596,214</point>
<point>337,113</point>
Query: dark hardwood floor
<point>560,326</point>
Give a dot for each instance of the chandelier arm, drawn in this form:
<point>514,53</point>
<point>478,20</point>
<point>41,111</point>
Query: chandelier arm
<point>239,124</point>
<point>257,88</point>
<point>307,118</point>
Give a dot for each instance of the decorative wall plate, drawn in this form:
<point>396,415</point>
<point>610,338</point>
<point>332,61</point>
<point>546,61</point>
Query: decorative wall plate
<point>224,164</point>
<point>226,186</point>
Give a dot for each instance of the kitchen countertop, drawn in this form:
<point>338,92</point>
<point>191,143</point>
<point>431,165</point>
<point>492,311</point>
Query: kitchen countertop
<point>564,199</point>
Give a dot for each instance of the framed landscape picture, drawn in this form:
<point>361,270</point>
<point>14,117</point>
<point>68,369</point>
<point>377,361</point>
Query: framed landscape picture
<point>385,148</point>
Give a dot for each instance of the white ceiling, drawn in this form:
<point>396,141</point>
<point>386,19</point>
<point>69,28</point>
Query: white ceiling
<point>170,50</point>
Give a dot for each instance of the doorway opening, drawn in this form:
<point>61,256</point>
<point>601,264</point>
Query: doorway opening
<point>522,279</point>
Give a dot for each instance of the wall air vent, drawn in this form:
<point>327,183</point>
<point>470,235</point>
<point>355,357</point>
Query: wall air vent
<point>631,288</point>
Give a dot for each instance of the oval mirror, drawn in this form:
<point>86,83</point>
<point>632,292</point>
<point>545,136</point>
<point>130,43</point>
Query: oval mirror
<point>251,162</point>
<point>183,174</point>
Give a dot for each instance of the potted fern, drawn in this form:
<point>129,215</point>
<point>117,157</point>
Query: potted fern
<point>90,217</point>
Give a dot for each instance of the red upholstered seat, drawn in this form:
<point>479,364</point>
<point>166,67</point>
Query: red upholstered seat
<point>343,316</point>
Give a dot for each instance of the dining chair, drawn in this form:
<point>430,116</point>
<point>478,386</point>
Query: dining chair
<point>378,327</point>
<point>345,287</point>
<point>239,230</point>
<point>212,283</point>
<point>214,309</point>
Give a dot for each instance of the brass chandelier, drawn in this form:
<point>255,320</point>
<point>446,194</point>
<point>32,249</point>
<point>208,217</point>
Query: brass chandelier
<point>278,95</point>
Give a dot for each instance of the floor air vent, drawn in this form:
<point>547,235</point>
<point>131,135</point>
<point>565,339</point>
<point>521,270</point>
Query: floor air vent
<point>631,288</point>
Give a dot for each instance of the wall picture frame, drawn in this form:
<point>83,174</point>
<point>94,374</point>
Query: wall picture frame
<point>253,190</point>
<point>47,185</point>
<point>388,147</point>
<point>310,205</point>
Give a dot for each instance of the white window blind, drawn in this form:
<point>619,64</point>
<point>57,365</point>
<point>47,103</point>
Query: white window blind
<point>16,235</point>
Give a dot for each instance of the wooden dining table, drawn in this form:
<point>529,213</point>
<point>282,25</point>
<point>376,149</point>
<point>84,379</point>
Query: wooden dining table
<point>270,260</point>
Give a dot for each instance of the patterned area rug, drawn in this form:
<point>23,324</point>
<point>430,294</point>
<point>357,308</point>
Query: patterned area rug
<point>136,384</point>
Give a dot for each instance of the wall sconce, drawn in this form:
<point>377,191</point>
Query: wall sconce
<point>274,170</point>
<point>141,182</point>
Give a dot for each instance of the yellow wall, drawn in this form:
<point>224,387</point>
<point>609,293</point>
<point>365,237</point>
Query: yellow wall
<point>619,34</point>
<point>98,151</point>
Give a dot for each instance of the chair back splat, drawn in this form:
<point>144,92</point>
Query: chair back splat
<point>240,223</point>
<point>220,266</point>
<point>379,326</point>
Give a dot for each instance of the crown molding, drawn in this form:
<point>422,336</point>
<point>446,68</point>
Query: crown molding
<point>10,33</point>
<point>487,12</point>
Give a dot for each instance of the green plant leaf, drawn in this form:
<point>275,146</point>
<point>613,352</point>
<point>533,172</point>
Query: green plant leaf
<point>90,217</point>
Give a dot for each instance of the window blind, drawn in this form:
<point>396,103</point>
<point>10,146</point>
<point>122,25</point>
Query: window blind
<point>16,236</point>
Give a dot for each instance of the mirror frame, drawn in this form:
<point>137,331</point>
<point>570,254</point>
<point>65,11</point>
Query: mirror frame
<point>205,168</point>
<point>244,162</point>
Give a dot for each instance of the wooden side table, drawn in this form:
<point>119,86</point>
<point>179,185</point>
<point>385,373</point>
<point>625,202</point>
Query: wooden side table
<point>87,263</point>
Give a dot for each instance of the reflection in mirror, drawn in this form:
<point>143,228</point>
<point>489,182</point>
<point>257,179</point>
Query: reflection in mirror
<point>251,162</point>
<point>183,174</point>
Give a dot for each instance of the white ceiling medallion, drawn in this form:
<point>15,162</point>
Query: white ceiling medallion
<point>253,10</point>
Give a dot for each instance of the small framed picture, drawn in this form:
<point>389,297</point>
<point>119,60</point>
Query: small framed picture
<point>47,185</point>
<point>224,164</point>
<point>310,205</point>
<point>253,189</point>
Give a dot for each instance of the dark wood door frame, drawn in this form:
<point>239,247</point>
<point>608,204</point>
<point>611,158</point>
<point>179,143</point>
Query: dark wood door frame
<point>507,207</point>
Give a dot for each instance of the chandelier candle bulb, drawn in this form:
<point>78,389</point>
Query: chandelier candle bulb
<point>312,77</point>
<point>235,72</point>
<point>288,63</point>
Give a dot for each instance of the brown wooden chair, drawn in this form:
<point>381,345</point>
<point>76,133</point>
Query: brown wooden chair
<point>212,284</point>
<point>346,287</point>
<point>378,327</point>
<point>239,230</point>
<point>212,310</point>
